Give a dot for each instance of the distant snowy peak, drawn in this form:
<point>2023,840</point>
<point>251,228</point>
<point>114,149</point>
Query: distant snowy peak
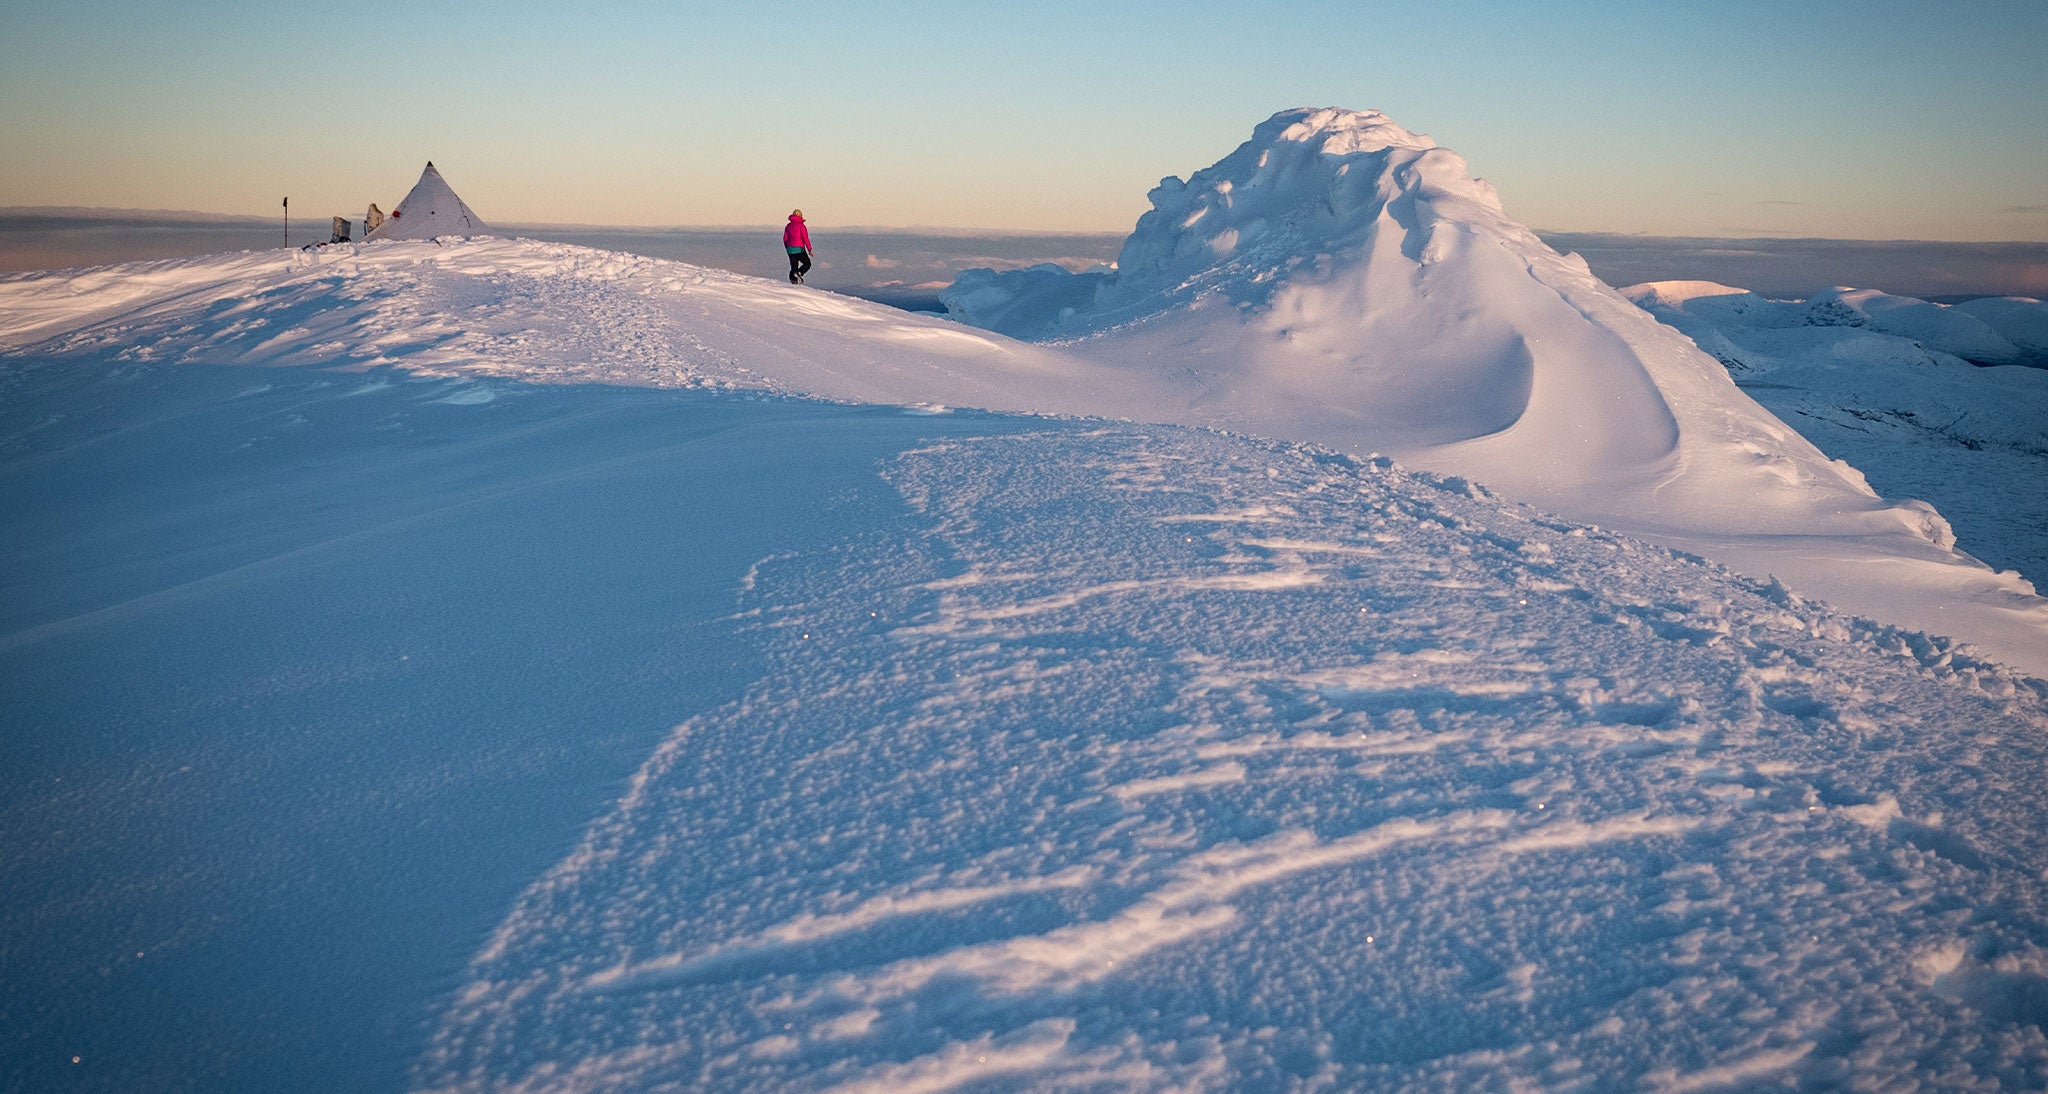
<point>2005,330</point>
<point>2021,320</point>
<point>1933,325</point>
<point>1679,294</point>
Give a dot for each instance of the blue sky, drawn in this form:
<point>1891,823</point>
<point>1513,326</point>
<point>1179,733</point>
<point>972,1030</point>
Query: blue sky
<point>1871,119</point>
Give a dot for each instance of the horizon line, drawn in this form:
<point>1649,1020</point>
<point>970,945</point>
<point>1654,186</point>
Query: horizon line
<point>94,212</point>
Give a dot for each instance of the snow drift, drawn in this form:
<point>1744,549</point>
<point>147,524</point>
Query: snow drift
<point>1342,280</point>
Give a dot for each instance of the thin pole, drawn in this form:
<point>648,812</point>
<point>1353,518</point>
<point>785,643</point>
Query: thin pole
<point>287,220</point>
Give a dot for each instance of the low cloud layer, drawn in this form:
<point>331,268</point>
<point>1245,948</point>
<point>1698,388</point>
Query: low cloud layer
<point>1797,267</point>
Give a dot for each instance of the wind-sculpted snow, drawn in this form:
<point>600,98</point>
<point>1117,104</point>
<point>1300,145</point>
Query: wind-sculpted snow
<point>1340,280</point>
<point>1139,758</point>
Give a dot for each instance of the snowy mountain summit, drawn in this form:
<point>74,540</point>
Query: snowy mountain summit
<point>1341,280</point>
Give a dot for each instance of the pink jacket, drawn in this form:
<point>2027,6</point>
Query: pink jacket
<point>796,235</point>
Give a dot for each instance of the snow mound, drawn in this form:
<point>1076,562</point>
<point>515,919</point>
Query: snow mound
<point>431,209</point>
<point>1302,187</point>
<point>1341,280</point>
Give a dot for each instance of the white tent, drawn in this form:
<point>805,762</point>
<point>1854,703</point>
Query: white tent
<point>431,209</point>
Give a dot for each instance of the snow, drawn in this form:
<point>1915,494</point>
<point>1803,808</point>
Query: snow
<point>489,664</point>
<point>465,307</point>
<point>1340,280</point>
<point>2021,320</point>
<point>1920,421</point>
<point>1942,329</point>
<point>1433,811</point>
<point>1988,330</point>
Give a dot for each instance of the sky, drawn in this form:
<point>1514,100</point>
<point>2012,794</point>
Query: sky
<point>1864,120</point>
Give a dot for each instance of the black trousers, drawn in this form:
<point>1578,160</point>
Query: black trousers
<point>799,265</point>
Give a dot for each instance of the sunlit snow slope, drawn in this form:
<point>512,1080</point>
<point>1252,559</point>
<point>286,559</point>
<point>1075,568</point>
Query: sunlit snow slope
<point>376,718</point>
<point>1341,280</point>
<point>523,310</point>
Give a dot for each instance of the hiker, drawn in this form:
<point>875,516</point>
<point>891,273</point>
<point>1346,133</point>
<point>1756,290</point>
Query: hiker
<point>796,239</point>
<point>341,230</point>
<point>371,219</point>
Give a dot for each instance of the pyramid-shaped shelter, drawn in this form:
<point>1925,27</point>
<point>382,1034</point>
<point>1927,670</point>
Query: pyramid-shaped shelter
<point>431,209</point>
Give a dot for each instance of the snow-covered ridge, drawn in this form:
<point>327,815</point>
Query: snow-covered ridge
<point>546,312</point>
<point>1861,337</point>
<point>1445,334</point>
